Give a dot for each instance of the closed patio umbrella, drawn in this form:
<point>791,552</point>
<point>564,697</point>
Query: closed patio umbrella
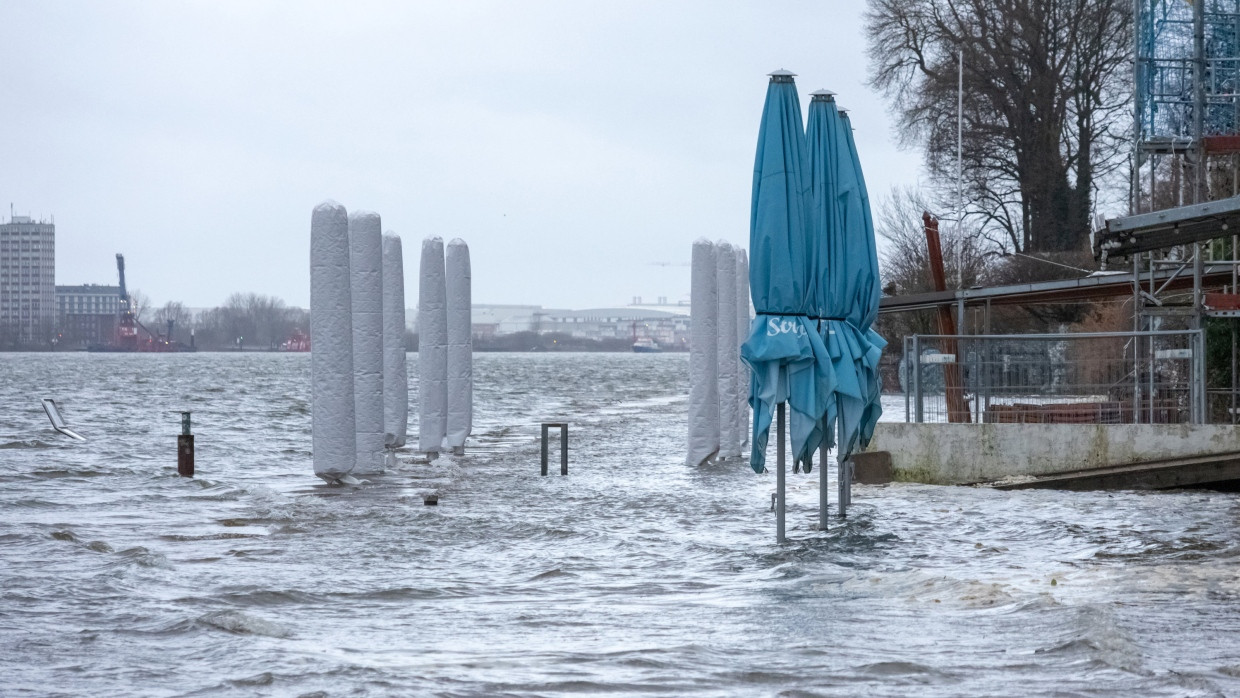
<point>784,351</point>
<point>857,421</point>
<point>835,269</point>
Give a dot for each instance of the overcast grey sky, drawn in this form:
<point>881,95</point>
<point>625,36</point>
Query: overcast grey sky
<point>573,144</point>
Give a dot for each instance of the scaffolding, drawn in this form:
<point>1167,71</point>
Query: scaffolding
<point>1186,100</point>
<point>1186,107</point>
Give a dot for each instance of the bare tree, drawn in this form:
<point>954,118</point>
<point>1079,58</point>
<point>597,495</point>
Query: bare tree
<point>905,261</point>
<point>1045,86</point>
<point>174,311</point>
<point>138,302</point>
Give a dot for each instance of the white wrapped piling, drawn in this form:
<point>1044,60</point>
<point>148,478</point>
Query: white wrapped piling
<point>331,330</point>
<point>460,345</point>
<point>703,356</point>
<point>395,374</point>
<point>366,277</point>
<point>432,348</point>
<point>727,349</point>
<point>742,333</point>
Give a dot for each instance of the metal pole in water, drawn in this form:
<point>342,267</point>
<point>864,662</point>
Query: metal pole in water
<point>564,448</point>
<point>822,486</point>
<point>841,473</point>
<point>779,482</point>
<point>544,449</point>
<point>185,448</point>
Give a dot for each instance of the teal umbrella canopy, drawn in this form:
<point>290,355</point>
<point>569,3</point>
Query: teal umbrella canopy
<point>848,273</point>
<point>832,274</point>
<point>783,349</point>
<point>865,296</point>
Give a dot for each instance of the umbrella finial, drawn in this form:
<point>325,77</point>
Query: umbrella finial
<point>823,95</point>
<point>782,75</point>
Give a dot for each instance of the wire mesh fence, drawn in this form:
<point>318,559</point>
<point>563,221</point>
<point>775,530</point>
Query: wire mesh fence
<point>1082,378</point>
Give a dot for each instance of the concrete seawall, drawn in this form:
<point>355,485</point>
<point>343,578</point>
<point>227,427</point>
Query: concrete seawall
<point>959,454</point>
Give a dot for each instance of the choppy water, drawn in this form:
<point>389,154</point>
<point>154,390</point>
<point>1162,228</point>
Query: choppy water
<point>634,575</point>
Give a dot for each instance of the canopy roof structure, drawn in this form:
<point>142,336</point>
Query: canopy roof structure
<point>1184,225</point>
<point>1094,287</point>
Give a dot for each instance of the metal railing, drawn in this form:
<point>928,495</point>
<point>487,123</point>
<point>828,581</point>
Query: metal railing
<point>1153,377</point>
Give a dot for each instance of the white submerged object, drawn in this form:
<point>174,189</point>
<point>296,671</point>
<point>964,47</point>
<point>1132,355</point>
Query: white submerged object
<point>331,330</point>
<point>432,348</point>
<point>703,356</point>
<point>395,373</point>
<point>742,333</point>
<point>727,350</point>
<point>460,359</point>
<point>366,276</point>
<point>58,421</point>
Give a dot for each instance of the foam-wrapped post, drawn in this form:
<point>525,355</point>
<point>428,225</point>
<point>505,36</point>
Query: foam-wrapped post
<point>727,349</point>
<point>742,333</point>
<point>432,348</point>
<point>703,356</point>
<point>460,345</point>
<point>395,375</point>
<point>331,331</point>
<point>366,277</point>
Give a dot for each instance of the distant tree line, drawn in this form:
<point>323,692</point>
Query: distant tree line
<point>243,321</point>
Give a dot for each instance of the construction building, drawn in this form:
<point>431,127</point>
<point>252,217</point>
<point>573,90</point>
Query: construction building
<point>27,282</point>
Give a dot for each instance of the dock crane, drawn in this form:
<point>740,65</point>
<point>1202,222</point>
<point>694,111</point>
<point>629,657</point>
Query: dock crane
<point>127,330</point>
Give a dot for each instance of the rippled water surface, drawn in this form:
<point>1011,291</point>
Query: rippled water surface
<point>633,575</point>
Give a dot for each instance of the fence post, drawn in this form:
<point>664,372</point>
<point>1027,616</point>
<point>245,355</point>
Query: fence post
<point>917,408</point>
<point>1199,401</point>
<point>1136,340</point>
<point>908,382</point>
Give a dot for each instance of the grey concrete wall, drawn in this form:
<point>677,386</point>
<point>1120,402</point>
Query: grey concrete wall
<point>957,454</point>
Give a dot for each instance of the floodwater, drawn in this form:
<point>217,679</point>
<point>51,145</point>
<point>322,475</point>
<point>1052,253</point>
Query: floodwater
<point>634,575</point>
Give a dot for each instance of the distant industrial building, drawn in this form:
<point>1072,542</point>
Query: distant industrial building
<point>669,330</point>
<point>86,315</point>
<point>27,282</point>
<point>665,324</point>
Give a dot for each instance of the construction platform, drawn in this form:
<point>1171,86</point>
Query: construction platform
<point>1217,470</point>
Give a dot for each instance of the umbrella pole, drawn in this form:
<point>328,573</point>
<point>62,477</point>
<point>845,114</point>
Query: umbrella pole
<point>822,486</point>
<point>779,477</point>
<point>843,476</point>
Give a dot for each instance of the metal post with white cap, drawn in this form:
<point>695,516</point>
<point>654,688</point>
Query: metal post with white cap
<point>185,448</point>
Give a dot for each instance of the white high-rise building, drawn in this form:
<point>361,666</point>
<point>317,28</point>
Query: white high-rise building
<point>27,282</point>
